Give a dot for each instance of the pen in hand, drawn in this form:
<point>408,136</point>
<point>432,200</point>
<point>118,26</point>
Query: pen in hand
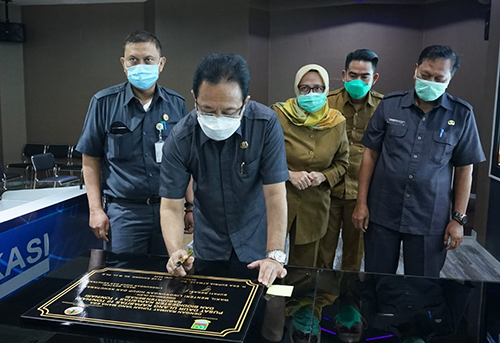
<point>181,260</point>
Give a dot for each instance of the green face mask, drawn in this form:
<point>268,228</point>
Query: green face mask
<point>311,102</point>
<point>413,339</point>
<point>357,88</point>
<point>348,316</point>
<point>429,90</point>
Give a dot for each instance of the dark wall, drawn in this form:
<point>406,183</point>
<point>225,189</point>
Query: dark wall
<point>190,29</point>
<point>72,51</point>
<point>326,35</point>
<point>12,108</point>
<point>397,33</point>
<point>488,190</point>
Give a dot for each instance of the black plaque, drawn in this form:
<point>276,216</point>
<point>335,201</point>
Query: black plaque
<point>194,306</point>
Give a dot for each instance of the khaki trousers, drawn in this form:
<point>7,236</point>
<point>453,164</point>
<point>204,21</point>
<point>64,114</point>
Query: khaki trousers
<point>352,251</point>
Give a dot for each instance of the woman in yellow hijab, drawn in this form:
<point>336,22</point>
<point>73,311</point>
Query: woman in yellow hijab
<point>317,156</point>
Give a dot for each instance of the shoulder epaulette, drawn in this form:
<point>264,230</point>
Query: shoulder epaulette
<point>460,101</point>
<point>109,91</point>
<point>376,94</point>
<point>173,93</point>
<point>395,94</point>
<point>335,92</point>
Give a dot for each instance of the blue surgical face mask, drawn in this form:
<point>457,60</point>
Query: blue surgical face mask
<point>311,102</point>
<point>429,90</point>
<point>143,76</point>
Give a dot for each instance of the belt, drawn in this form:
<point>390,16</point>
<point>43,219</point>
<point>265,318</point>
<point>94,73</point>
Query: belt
<point>154,200</point>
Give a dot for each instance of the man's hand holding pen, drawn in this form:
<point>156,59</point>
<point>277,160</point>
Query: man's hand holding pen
<point>180,262</point>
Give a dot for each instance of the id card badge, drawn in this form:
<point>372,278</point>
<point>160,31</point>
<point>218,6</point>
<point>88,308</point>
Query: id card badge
<point>159,150</point>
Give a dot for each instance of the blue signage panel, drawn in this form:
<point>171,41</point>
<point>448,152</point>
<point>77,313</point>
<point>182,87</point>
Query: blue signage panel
<point>38,242</point>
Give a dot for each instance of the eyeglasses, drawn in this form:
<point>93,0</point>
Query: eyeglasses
<point>305,89</point>
<point>236,114</point>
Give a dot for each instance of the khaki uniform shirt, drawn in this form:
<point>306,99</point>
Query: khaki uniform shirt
<point>324,151</point>
<point>356,123</point>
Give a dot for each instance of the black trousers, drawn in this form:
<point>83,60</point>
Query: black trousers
<point>422,255</point>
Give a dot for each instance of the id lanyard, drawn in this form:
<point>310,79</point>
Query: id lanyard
<point>161,126</point>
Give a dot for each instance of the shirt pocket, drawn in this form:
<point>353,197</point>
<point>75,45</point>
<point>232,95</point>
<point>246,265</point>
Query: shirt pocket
<point>120,146</point>
<point>395,138</point>
<point>165,133</point>
<point>248,171</point>
<point>442,147</point>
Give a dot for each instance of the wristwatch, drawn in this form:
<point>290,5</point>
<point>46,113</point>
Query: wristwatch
<point>461,218</point>
<point>277,255</point>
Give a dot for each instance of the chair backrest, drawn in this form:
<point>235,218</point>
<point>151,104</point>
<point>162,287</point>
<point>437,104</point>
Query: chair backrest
<point>59,150</point>
<point>33,149</point>
<point>75,154</point>
<point>43,162</point>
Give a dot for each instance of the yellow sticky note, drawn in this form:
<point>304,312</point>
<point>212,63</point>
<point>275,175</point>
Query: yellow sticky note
<point>280,290</point>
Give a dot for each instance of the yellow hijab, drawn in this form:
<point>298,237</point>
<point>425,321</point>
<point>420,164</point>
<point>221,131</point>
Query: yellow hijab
<point>323,118</point>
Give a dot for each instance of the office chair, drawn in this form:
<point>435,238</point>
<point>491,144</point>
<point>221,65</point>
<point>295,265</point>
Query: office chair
<point>46,164</point>
<point>6,177</point>
<point>28,151</point>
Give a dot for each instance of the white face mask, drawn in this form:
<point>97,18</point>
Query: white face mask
<point>218,128</point>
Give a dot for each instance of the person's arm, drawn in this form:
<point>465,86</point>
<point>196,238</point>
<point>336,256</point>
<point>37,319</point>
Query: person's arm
<point>98,221</point>
<point>461,187</point>
<point>172,227</point>
<point>361,216</point>
<point>276,209</point>
<point>188,215</point>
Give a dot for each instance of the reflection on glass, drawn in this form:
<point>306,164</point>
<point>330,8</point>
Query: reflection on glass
<point>499,154</point>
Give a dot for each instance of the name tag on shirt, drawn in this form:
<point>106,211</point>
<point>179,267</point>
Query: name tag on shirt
<point>396,122</point>
<point>159,151</point>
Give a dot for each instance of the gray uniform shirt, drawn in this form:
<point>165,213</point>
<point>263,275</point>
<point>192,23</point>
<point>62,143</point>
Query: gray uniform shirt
<point>229,208</point>
<point>123,134</point>
<point>411,186</point>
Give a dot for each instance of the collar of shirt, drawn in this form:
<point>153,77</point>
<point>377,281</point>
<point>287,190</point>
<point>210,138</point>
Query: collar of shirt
<point>129,94</point>
<point>204,138</point>
<point>347,99</point>
<point>409,100</point>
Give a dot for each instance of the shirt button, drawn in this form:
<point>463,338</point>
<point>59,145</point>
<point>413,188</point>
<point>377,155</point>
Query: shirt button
<point>312,136</point>
<point>423,118</point>
<point>311,153</point>
<point>407,195</point>
<point>415,156</point>
<point>351,143</point>
<point>150,174</point>
<point>410,176</point>
<point>353,128</point>
<point>146,154</point>
<point>144,133</point>
<point>419,138</point>
<point>356,113</point>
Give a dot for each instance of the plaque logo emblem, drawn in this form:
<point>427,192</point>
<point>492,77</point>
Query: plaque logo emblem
<point>200,324</point>
<point>73,311</point>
